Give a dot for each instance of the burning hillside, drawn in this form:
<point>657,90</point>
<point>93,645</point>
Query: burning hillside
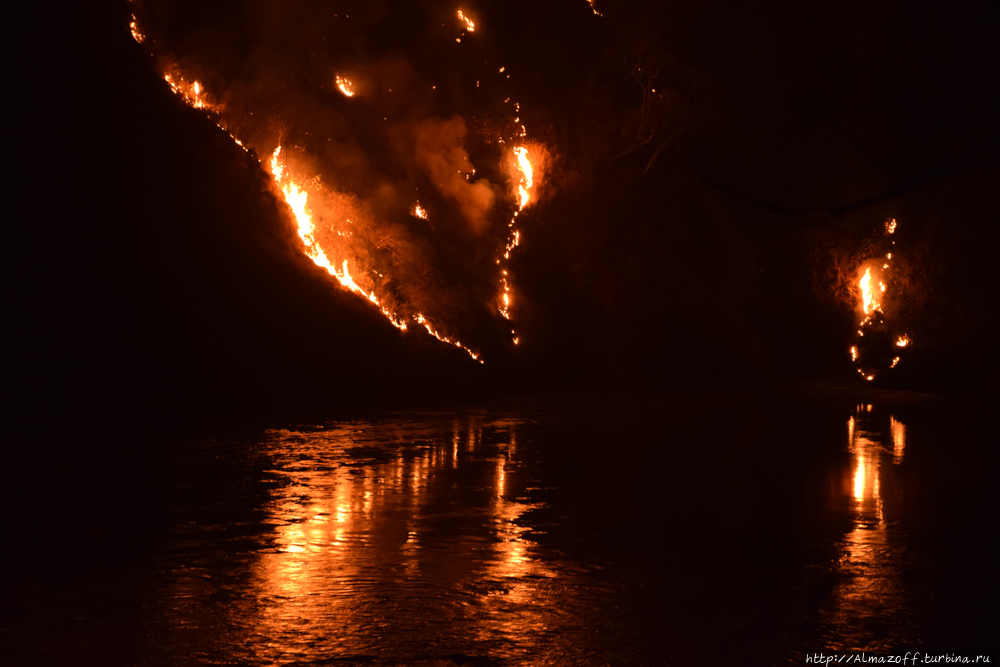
<point>405,168</point>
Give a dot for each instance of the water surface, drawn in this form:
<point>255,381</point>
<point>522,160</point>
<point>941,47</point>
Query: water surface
<point>667,531</point>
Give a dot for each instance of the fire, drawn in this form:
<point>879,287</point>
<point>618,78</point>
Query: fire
<point>469,25</point>
<point>524,172</point>
<point>594,9</point>
<point>134,28</point>
<point>372,257</point>
<point>527,175</point>
<point>873,287</point>
<point>192,93</point>
<point>296,198</point>
<point>345,85</point>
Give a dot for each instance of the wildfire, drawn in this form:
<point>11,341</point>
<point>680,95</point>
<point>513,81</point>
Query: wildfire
<point>872,288</point>
<point>364,255</point>
<point>345,85</point>
<point>469,25</point>
<point>296,198</point>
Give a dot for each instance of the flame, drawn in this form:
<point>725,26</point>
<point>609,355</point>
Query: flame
<point>902,341</point>
<point>594,9</point>
<point>296,198</point>
<point>524,172</point>
<point>469,25</point>
<point>527,176</point>
<point>192,93</point>
<point>345,85</point>
<point>890,226</point>
<point>134,28</point>
<point>358,271</point>
<point>870,298</point>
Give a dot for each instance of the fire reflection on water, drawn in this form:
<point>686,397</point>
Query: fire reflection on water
<point>869,598</point>
<point>364,506</point>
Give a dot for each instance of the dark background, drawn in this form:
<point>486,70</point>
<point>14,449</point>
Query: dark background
<point>152,280</point>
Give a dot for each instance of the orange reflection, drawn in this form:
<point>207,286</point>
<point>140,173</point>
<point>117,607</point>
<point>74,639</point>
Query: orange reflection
<point>870,554</point>
<point>365,503</point>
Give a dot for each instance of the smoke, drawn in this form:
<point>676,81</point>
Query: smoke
<point>438,149</point>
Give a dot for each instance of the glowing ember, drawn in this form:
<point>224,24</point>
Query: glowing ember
<point>345,85</point>
<point>469,25</point>
<point>890,226</point>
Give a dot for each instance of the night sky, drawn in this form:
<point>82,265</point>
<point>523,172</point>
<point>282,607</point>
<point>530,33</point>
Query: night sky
<point>153,275</point>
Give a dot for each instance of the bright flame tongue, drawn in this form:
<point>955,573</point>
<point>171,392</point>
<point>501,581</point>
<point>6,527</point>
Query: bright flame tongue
<point>527,180</point>
<point>868,295</point>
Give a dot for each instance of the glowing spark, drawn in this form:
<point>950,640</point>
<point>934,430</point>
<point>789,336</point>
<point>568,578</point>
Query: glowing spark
<point>469,25</point>
<point>345,85</point>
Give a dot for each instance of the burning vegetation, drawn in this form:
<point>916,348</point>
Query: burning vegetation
<point>350,166</point>
<point>878,343</point>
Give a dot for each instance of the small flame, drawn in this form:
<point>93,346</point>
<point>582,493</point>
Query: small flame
<point>345,85</point>
<point>890,226</point>
<point>903,341</point>
<point>192,93</point>
<point>419,211</point>
<point>134,27</point>
<point>469,25</point>
<point>854,353</point>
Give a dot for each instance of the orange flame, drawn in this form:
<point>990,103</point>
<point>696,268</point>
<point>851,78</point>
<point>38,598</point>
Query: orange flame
<point>469,25</point>
<point>134,28</point>
<point>345,85</point>
<point>192,93</point>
